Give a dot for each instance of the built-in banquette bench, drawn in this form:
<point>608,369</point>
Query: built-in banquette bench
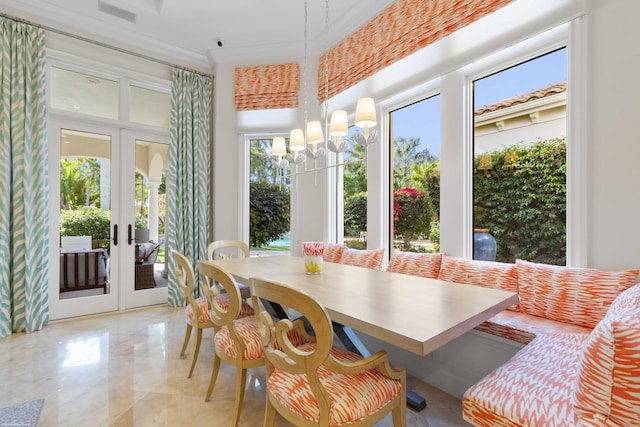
<point>581,328</point>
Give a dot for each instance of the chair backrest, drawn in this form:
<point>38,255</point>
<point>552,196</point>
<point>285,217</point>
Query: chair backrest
<point>187,282</point>
<point>213,279</point>
<point>280,352</point>
<point>222,249</point>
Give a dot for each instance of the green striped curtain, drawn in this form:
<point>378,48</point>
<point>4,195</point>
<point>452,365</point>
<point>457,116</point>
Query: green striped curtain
<point>24,194</point>
<point>188,180</point>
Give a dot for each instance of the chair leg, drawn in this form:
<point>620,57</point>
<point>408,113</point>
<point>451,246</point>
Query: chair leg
<point>214,376</point>
<point>241,384</point>
<point>269,413</point>
<point>196,350</point>
<point>399,416</point>
<point>187,335</point>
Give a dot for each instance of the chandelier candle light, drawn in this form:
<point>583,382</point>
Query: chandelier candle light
<point>311,143</point>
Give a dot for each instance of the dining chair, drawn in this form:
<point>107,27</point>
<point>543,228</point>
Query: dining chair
<point>223,249</point>
<point>196,309</point>
<point>367,258</point>
<point>237,340</point>
<point>317,384</point>
<point>226,249</point>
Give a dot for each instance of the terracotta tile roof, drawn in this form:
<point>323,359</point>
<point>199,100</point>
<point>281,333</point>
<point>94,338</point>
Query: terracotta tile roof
<point>525,97</point>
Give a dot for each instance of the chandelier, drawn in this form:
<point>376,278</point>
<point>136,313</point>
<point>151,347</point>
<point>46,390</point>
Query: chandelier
<point>311,143</point>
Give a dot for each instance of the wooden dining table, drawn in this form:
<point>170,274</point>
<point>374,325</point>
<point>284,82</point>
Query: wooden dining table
<point>413,313</point>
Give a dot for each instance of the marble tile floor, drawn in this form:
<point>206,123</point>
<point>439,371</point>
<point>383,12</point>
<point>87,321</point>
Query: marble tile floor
<point>124,369</point>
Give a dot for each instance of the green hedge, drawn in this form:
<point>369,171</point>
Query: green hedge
<point>269,213</point>
<point>523,200</point>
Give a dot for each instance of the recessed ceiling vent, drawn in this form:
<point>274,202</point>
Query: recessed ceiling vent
<point>116,11</point>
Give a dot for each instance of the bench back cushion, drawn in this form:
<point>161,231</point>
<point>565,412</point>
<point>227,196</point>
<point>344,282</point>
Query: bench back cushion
<point>415,264</point>
<point>333,252</point>
<point>580,296</point>
<point>371,258</point>
<point>608,388</point>
<point>490,274</point>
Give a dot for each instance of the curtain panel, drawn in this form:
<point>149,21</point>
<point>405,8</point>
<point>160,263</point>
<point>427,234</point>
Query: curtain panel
<point>267,87</point>
<point>188,180</point>
<point>24,194</point>
<point>400,30</point>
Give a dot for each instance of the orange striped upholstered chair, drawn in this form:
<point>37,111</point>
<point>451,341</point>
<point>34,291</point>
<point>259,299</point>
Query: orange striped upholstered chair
<point>415,264</point>
<point>367,258</point>
<point>237,340</point>
<point>317,384</point>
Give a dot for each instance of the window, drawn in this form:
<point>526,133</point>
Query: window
<point>415,177</point>
<point>354,191</point>
<point>84,93</point>
<point>520,168</point>
<point>149,107</point>
<point>269,201</point>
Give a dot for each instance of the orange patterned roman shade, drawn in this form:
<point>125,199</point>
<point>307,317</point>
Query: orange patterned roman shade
<point>400,30</point>
<point>267,87</point>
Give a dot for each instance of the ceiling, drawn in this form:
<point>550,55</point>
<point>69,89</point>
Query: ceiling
<point>250,31</point>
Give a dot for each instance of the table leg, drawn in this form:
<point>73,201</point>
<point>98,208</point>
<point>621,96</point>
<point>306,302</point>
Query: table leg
<point>350,340</point>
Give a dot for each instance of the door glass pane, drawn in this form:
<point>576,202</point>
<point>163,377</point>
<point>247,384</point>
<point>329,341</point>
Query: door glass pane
<point>84,93</point>
<point>149,107</point>
<point>85,213</point>
<point>150,214</point>
<point>519,180</point>
<point>415,184</point>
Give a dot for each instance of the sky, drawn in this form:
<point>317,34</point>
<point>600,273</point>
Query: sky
<point>421,120</point>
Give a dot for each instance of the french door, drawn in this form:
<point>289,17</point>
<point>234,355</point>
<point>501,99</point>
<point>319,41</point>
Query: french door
<point>105,243</point>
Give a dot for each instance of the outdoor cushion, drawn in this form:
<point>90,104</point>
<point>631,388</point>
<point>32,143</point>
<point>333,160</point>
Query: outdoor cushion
<point>415,264</point>
<point>580,296</point>
<point>490,274</point>
<point>363,258</point>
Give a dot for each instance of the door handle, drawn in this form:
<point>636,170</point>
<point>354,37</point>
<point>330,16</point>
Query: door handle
<point>130,233</point>
<point>115,234</point>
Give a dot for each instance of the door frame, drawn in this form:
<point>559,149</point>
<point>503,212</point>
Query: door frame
<point>129,297</point>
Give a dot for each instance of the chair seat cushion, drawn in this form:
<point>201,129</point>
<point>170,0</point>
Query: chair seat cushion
<point>223,301</point>
<point>353,397</point>
<point>248,330</point>
<point>534,388</point>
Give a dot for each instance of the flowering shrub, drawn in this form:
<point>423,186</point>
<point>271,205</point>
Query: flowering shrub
<point>412,213</point>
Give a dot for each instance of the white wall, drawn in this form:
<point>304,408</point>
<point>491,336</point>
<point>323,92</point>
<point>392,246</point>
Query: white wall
<point>613,134</point>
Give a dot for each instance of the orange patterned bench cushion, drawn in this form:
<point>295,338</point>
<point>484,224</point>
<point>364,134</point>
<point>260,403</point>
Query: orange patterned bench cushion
<point>523,328</point>
<point>415,264</point>
<point>371,258</point>
<point>580,296</point>
<point>497,275</point>
<point>608,390</point>
<point>353,397</point>
<point>333,252</point>
<point>534,388</point>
